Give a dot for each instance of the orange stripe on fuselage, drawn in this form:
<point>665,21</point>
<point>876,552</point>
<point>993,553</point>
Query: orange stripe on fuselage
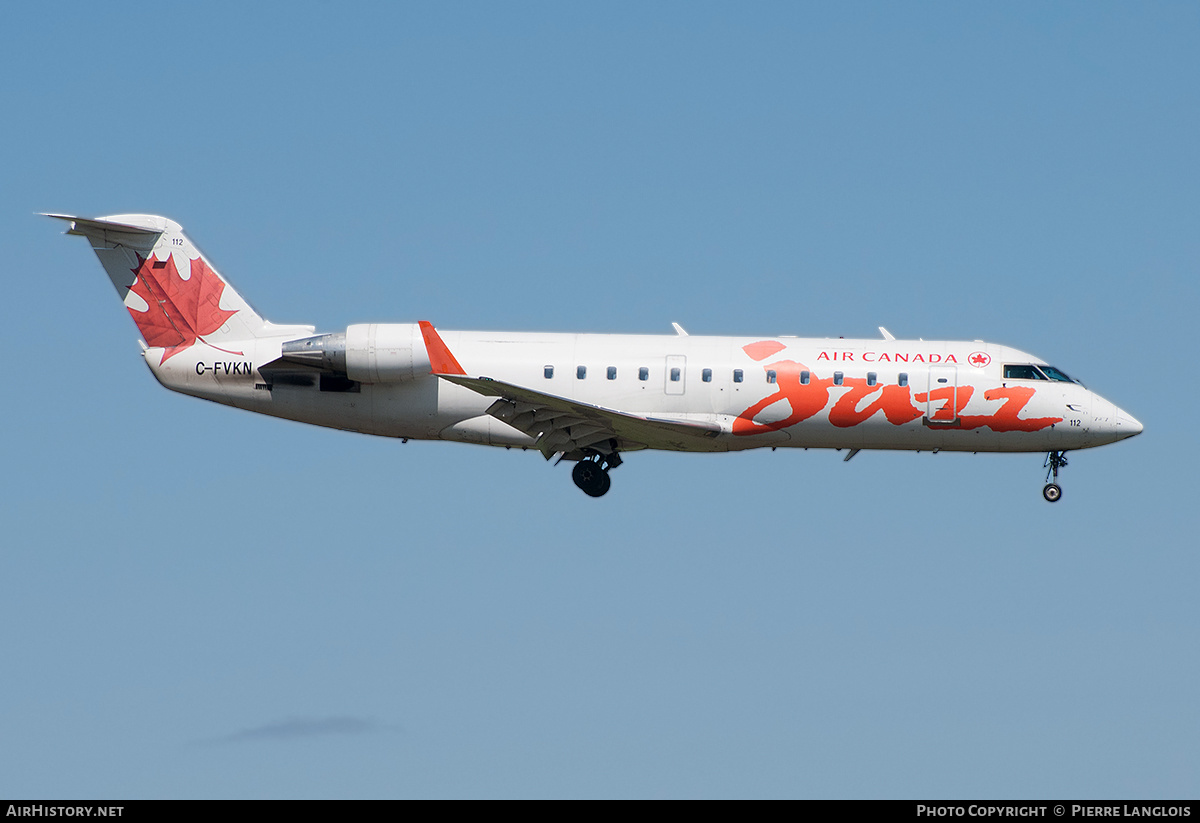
<point>440,358</point>
<point>810,399</point>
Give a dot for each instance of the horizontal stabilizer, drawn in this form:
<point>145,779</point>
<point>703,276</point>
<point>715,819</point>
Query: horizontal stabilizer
<point>88,228</point>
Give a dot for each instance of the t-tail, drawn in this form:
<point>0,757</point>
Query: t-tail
<point>175,296</point>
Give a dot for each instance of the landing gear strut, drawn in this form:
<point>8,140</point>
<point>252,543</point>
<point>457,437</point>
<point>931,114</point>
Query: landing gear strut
<point>591,473</point>
<point>1054,461</point>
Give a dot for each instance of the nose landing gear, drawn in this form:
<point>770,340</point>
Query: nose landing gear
<point>1054,461</point>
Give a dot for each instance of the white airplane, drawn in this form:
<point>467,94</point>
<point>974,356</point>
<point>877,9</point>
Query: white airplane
<point>589,398</point>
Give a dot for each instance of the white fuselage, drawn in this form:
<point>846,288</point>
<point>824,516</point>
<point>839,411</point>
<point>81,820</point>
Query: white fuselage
<point>828,393</point>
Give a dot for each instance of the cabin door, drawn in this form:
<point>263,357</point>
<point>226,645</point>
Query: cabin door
<point>942,401</point>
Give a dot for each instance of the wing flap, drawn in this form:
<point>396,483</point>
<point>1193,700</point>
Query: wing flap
<point>563,425</point>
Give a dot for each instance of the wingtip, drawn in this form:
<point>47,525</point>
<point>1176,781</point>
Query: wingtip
<point>441,361</point>
<point>69,218</point>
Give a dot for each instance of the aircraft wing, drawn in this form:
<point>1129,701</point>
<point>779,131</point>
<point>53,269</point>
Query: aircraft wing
<point>568,426</point>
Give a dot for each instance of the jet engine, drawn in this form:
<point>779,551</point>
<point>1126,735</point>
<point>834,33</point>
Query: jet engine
<point>365,352</point>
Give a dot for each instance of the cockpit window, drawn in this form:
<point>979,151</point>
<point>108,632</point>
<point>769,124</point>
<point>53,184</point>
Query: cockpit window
<point>1023,373</point>
<point>1056,374</point>
<point>1031,372</point>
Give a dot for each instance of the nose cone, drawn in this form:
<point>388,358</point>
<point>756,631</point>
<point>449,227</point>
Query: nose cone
<point>1110,424</point>
<point>1127,424</point>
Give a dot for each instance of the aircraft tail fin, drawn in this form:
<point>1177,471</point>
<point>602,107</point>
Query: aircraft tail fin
<point>173,293</point>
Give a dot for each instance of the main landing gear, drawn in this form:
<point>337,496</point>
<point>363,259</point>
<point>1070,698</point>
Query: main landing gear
<point>591,473</point>
<point>1054,461</point>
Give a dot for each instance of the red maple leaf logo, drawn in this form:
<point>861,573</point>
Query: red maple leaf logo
<point>180,311</point>
<point>979,359</point>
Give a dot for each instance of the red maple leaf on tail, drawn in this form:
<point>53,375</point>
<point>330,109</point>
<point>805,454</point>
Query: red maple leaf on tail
<point>180,311</point>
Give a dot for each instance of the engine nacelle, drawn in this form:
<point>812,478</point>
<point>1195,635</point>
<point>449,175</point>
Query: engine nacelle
<point>366,352</point>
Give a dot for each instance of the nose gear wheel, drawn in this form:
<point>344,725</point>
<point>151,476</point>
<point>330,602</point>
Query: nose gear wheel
<point>1054,461</point>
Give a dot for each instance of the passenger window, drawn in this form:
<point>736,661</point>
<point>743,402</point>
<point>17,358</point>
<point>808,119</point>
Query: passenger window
<point>770,375</point>
<point>903,379</point>
<point>580,372</point>
<point>838,378</point>
<point>549,372</point>
<point>706,375</point>
<point>643,373</point>
<point>737,375</point>
<point>675,375</point>
<point>612,372</point>
<point>804,378</point>
<point>872,378</point>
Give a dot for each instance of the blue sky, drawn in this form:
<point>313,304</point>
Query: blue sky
<point>204,603</point>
